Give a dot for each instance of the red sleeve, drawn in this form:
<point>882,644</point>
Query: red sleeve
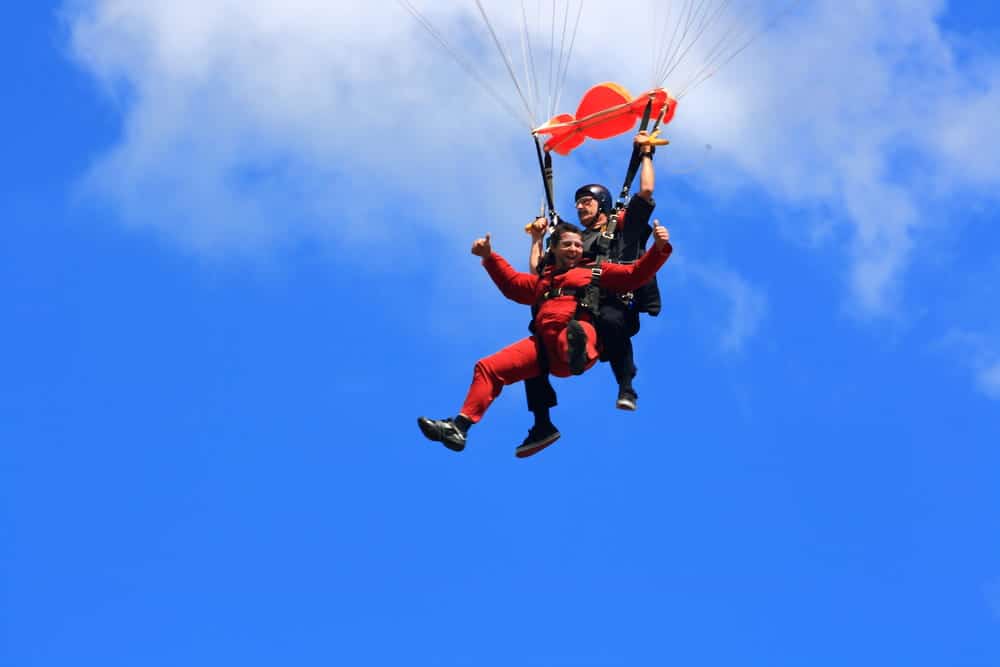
<point>516,286</point>
<point>628,277</point>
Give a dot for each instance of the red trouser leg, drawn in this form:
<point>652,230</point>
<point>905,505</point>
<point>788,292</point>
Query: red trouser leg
<point>512,364</point>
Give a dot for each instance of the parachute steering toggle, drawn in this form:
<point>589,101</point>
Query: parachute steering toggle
<point>606,110</point>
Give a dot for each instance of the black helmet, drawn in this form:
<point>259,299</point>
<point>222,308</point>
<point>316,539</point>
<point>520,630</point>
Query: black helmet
<point>598,192</point>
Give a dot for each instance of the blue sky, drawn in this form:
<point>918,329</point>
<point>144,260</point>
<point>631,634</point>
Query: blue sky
<point>236,268</point>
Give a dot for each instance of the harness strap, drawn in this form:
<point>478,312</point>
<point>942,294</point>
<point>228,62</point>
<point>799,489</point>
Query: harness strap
<point>559,291</point>
<point>590,302</point>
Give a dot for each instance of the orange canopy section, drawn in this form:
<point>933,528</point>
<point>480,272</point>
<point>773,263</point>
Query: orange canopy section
<point>605,111</point>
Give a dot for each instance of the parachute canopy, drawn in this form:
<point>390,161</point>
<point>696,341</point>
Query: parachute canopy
<point>606,110</point>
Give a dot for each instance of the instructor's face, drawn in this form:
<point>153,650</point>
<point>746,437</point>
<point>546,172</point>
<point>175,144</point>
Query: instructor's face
<point>568,250</point>
<point>587,210</point>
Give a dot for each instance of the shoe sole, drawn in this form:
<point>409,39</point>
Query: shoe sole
<point>625,404</point>
<point>577,340</point>
<point>524,451</point>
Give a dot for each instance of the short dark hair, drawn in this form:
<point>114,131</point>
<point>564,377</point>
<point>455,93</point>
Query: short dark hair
<point>564,228</point>
<point>557,232</point>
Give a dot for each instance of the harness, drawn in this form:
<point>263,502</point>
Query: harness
<point>557,292</point>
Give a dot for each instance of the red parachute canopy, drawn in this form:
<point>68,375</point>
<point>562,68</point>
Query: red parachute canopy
<point>605,111</point>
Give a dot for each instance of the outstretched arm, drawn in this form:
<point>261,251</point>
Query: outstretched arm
<point>516,286</point>
<point>625,278</point>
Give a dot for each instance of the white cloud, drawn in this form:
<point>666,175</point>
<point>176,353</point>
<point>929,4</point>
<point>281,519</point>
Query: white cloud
<point>865,110</point>
<point>745,304</point>
<point>251,124</point>
<point>989,380</point>
<point>980,353</point>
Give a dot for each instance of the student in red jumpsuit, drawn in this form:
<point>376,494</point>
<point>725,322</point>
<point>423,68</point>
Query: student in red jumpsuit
<point>570,344</point>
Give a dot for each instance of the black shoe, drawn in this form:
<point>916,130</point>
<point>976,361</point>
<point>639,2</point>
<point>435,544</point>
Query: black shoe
<point>539,437</point>
<point>577,339</point>
<point>627,399</point>
<point>443,431</point>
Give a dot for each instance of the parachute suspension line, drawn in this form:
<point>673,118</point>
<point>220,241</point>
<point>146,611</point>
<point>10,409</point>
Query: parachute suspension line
<point>709,71</point>
<point>529,61</point>
<point>506,59</point>
<point>552,58</point>
<point>652,42</point>
<point>658,47</point>
<point>561,80</point>
<point>685,30</point>
<point>674,43</point>
<point>687,22</point>
<point>558,60</point>
<point>736,32</point>
<point>558,63</point>
<point>706,21</point>
<point>527,76</point>
<point>541,48</point>
<point>464,64</point>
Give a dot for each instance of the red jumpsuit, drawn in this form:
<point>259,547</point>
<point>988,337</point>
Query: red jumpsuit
<point>519,361</point>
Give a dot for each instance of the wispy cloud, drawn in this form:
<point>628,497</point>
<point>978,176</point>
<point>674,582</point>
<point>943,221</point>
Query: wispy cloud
<point>980,353</point>
<point>253,124</point>
<point>744,304</point>
<point>865,110</point>
<point>989,380</point>
<point>249,125</point>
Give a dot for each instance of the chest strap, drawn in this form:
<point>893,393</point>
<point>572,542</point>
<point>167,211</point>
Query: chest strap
<point>590,299</point>
<point>559,291</point>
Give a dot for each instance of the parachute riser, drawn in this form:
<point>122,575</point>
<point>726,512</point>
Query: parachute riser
<point>545,166</point>
<point>636,159</point>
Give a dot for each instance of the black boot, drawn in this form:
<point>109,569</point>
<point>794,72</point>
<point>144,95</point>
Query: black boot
<point>577,339</point>
<point>539,437</point>
<point>444,431</point>
<point>627,399</point>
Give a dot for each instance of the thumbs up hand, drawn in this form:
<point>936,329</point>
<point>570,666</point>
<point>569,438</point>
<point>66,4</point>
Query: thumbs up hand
<point>481,247</point>
<point>661,235</point>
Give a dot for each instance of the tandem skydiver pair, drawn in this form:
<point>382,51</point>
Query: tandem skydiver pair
<point>586,292</point>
